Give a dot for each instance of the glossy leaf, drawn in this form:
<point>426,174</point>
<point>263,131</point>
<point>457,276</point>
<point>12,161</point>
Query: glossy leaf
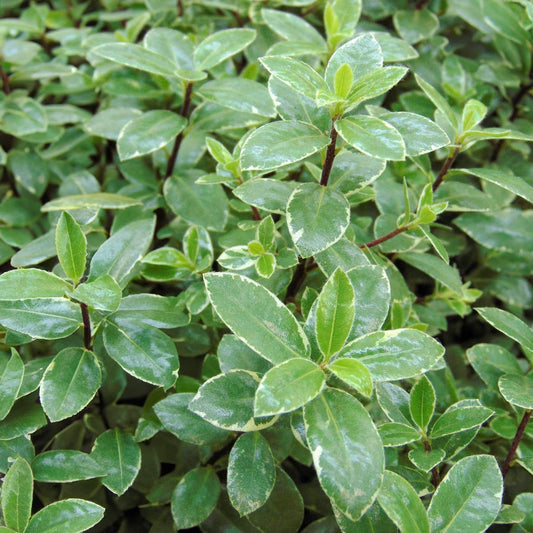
<point>25,417</point>
<point>62,466</point>
<point>73,515</point>
<point>459,419</point>
<point>11,376</point>
<point>354,373</point>
<point>469,497</point>
<point>143,351</point>
<point>120,456</point>
<point>257,317</point>
<point>69,383</point>
<point>227,401</point>
<point>373,137</point>
<point>281,143</point>
<point>71,246</point>
<point>31,283</point>
<point>402,504</point>
<point>195,497</point>
<point>97,200</point>
<point>396,434</point>
<point>149,132</point>
<point>517,390</point>
<point>422,402</point>
<point>395,354</point>
<point>222,45</point>
<point>251,473</point>
<point>335,313</point>
<point>103,293</point>
<point>44,318</point>
<point>288,386</point>
<point>17,495</point>
<point>348,461</point>
<point>317,218</point>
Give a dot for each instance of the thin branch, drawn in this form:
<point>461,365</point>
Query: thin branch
<point>386,237</point>
<point>180,8</point>
<point>5,81</point>
<point>330,155</point>
<point>436,184</point>
<point>516,441</point>
<point>255,213</point>
<point>177,143</point>
<point>297,280</point>
<point>87,335</point>
<point>445,168</point>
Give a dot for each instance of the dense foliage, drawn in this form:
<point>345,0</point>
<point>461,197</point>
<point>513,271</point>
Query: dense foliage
<point>241,242</point>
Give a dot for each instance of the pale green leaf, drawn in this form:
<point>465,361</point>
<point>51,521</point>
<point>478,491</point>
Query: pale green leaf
<point>63,466</point>
<point>17,495</point>
<point>222,45</point>
<point>71,246</point>
<point>517,390</point>
<point>11,376</point>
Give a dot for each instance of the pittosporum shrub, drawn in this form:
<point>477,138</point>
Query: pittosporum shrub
<point>240,243</point>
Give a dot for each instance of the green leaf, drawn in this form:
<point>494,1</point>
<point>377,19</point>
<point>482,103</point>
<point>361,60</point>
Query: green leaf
<point>373,84</point>
<point>11,376</point>
<point>171,44</point>
<point>257,317</point>
<point>491,361</point>
<point>395,354</point>
<point>72,515</point>
<point>396,434</point>
<point>69,383</point>
<point>422,402</point>
<point>178,419</point>
<point>202,205</point>
<point>317,217</point>
<point>31,283</point>
<point>298,75</point>
<point>343,81</point>
<point>104,293</point>
<point>473,113</point>
<point>372,298</point>
<point>222,45</point>
<point>45,318</point>
<point>195,497</point>
<point>460,419</point>
<point>426,460</point>
<point>119,255</point>
<point>227,401</point>
<point>335,313</point>
<point>137,57</point>
<point>354,373</point>
<point>239,94</point>
<point>120,456</point>
<point>25,417</point>
<point>344,254</point>
<point>509,325</point>
<point>402,504</point>
<point>416,24</point>
<point>469,497</point>
<point>63,466</point>
<point>419,134</point>
<point>439,101</point>
<point>436,268</point>
<point>264,193</point>
<point>283,512</point>
<point>372,136</point>
<point>281,143</point>
<point>17,495</point>
<point>517,390</point>
<point>97,200</point>
<point>143,351</point>
<point>363,54</point>
<point>251,473</point>
<point>149,132</point>
<point>288,386</point>
<point>164,312</point>
<point>293,28</point>
<point>71,246</point>
<point>503,179</point>
<point>347,451</point>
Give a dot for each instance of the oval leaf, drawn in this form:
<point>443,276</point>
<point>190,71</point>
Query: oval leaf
<point>347,451</point>
<point>69,383</point>
<point>317,218</point>
<point>517,390</point>
<point>288,386</point>
<point>468,498</point>
<point>62,466</point>
<point>71,246</point>
<point>17,495</point>
<point>11,376</point>
<point>257,317</point>
<point>251,473</point>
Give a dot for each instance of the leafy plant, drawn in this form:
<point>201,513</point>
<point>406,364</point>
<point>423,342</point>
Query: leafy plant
<point>240,244</point>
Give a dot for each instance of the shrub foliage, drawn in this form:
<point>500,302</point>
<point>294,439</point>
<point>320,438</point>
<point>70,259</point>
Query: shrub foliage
<point>240,245</point>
